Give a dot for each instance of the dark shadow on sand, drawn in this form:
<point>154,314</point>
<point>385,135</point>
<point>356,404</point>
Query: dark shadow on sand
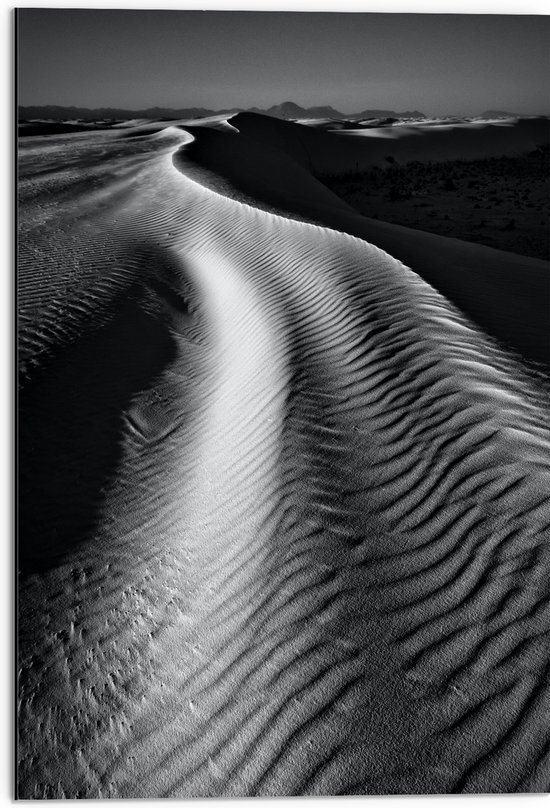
<point>70,422</point>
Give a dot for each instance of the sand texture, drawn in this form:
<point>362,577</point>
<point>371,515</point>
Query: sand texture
<point>284,474</point>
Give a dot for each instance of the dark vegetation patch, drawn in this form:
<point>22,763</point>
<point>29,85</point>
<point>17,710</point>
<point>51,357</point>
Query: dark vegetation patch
<point>502,202</point>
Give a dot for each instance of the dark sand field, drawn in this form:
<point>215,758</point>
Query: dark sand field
<point>500,202</point>
<point>284,468</point>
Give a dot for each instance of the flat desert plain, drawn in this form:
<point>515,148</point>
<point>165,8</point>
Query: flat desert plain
<point>283,467</point>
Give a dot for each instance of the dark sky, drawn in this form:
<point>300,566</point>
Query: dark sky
<point>439,64</point>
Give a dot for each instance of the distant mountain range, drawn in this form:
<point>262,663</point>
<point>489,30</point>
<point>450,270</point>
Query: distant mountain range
<point>288,110</point>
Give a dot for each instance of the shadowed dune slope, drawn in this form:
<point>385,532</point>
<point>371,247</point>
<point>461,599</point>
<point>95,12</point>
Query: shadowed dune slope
<point>340,152</point>
<point>317,562</point>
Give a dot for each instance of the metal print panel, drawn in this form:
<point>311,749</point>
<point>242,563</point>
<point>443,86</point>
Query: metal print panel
<point>283,441</point>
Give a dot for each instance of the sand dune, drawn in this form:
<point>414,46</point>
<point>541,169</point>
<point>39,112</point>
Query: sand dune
<point>284,493</point>
<point>509,297</point>
<point>321,151</point>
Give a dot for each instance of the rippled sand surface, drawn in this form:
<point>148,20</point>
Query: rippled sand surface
<point>284,478</point>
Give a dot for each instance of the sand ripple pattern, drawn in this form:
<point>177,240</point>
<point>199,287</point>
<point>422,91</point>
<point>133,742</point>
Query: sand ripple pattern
<point>318,563</point>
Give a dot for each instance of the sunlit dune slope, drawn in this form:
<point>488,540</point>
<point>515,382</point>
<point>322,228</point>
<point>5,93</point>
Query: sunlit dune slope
<point>284,505</point>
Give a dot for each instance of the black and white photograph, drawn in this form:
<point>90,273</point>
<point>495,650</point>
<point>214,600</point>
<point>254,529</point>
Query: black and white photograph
<point>282,436</point>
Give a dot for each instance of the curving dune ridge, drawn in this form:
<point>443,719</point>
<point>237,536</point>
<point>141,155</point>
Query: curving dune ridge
<point>284,509</point>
